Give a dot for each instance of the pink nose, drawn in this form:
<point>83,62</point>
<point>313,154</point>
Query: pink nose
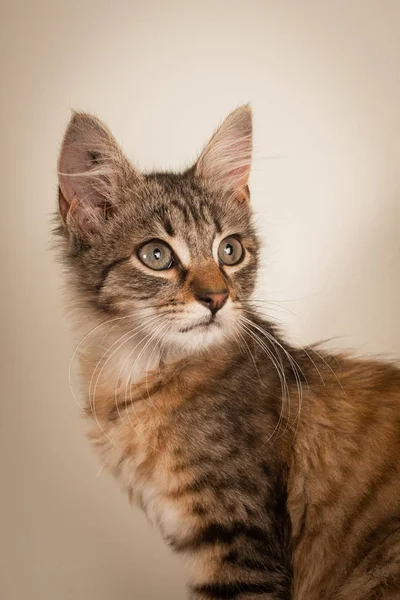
<point>213,300</point>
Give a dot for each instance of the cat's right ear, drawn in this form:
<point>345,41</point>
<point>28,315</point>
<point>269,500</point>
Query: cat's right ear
<point>91,170</point>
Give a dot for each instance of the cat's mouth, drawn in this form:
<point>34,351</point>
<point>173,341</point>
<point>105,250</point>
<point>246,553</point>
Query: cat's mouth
<point>200,325</point>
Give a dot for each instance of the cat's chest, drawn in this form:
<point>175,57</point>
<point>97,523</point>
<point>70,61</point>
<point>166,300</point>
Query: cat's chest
<point>142,447</point>
<point>159,438</point>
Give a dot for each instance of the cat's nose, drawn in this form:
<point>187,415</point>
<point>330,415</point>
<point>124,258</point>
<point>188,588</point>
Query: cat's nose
<point>213,300</point>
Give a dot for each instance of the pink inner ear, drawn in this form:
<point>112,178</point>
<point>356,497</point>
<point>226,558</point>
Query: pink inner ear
<point>239,178</point>
<point>239,173</point>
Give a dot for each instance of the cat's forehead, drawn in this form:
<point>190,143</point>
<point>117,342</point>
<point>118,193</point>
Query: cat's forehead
<point>182,209</point>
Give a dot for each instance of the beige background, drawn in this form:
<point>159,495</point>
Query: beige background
<point>323,78</point>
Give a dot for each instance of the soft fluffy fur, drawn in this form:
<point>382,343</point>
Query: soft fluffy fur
<point>274,469</point>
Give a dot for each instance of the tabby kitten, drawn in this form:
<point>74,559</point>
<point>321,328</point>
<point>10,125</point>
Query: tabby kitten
<point>274,469</point>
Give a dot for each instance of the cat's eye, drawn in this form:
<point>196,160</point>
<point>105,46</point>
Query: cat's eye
<point>230,251</point>
<point>156,255</point>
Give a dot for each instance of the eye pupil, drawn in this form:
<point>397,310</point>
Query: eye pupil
<point>229,249</point>
<point>157,253</point>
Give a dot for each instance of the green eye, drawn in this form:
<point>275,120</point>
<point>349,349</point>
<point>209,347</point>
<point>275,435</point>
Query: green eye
<point>230,251</point>
<point>156,255</point>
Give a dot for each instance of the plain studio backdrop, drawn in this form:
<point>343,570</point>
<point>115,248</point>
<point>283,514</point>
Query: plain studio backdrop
<point>323,80</point>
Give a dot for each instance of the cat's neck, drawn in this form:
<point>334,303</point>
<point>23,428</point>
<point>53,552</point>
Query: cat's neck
<point>115,357</point>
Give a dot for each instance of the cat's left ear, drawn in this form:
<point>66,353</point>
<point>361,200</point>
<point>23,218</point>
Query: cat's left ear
<point>226,160</point>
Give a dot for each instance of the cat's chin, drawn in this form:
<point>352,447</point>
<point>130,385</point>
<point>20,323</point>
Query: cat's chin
<point>197,338</point>
<point>204,333</point>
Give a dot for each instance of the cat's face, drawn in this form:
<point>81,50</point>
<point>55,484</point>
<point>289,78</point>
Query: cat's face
<point>174,254</point>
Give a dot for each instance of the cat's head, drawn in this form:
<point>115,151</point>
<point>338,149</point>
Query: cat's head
<point>175,255</point>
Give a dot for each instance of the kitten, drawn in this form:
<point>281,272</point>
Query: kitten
<point>274,469</point>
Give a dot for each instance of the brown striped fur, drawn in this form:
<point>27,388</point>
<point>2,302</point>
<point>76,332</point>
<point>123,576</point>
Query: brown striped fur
<point>275,470</point>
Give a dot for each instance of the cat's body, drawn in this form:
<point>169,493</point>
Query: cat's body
<point>274,470</point>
